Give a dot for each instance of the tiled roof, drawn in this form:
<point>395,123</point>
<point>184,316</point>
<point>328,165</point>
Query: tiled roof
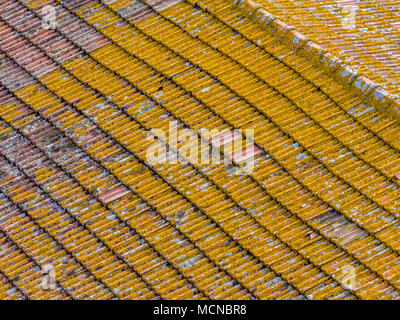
<point>371,46</point>
<point>78,193</point>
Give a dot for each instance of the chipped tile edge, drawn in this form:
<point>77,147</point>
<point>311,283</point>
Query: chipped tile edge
<point>369,91</point>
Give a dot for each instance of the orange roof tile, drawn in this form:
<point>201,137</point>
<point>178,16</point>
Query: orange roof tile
<point>317,217</point>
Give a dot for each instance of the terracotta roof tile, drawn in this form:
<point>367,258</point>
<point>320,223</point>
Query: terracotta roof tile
<point>77,104</point>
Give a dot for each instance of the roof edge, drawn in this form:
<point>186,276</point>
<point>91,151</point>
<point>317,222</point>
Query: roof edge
<point>369,91</point>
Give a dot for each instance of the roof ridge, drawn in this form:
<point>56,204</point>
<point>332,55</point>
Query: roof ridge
<point>368,90</point>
